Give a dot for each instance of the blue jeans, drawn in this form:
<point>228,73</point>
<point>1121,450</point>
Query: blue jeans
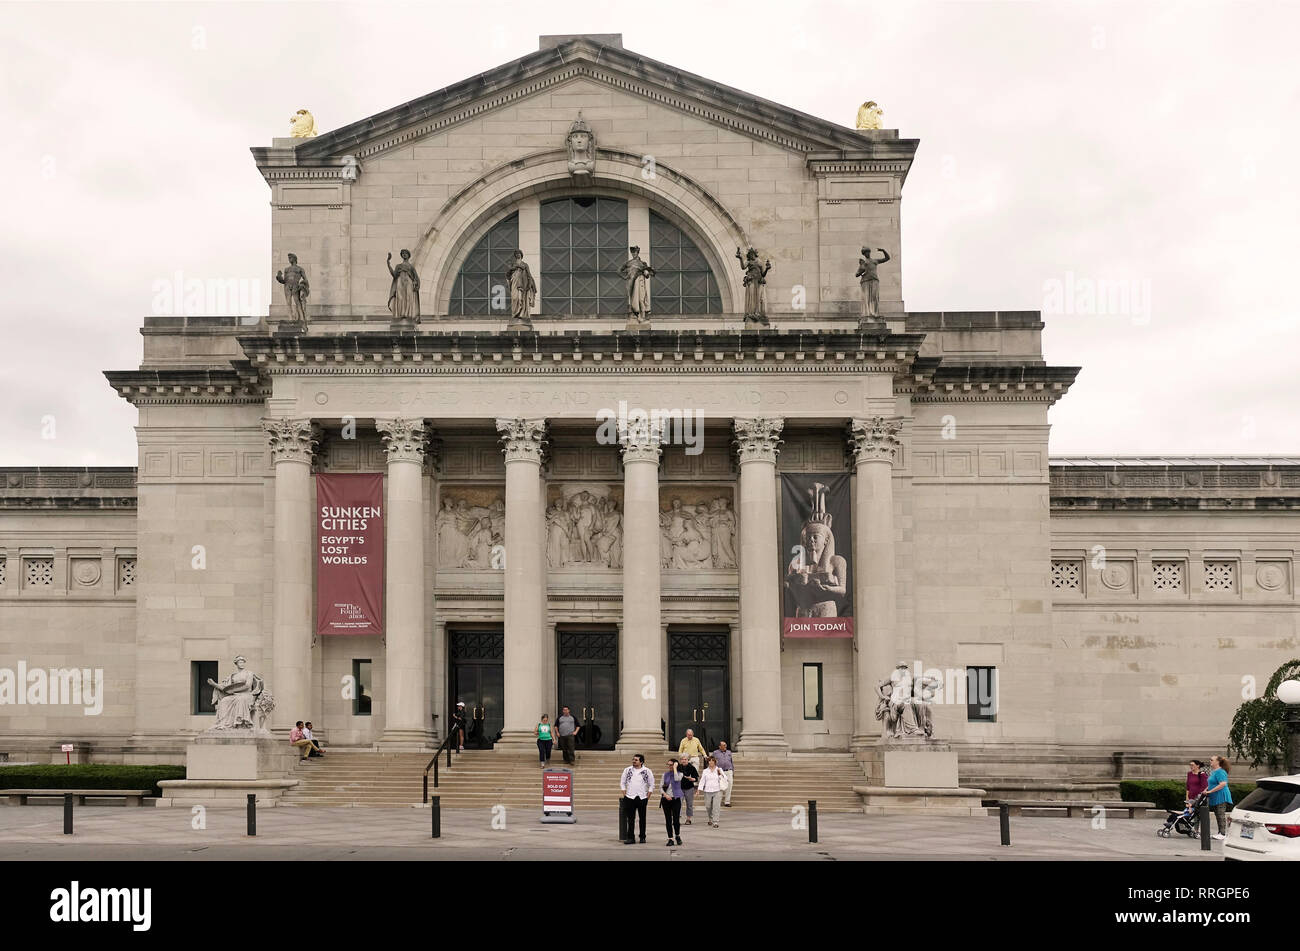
<point>544,750</point>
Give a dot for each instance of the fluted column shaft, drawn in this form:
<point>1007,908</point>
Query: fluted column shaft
<point>522,441</point>
<point>406,693</point>
<point>760,595</point>
<point>640,648</point>
<point>875,444</point>
<point>291,442</point>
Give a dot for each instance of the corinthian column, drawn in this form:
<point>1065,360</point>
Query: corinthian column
<point>522,441</point>
<point>406,692</point>
<point>875,444</point>
<point>291,442</point>
<point>641,635</point>
<point>760,596</point>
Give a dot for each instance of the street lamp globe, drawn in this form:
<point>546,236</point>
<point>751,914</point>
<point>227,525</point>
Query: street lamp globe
<point>1288,691</point>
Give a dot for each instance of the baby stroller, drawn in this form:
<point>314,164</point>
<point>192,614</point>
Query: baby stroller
<point>1187,822</point>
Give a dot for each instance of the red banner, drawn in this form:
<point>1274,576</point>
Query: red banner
<point>350,554</point>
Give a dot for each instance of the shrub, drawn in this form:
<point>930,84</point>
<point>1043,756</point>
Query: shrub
<point>1170,793</point>
<point>88,776</point>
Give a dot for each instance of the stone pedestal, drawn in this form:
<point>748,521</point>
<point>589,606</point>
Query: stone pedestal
<point>910,777</point>
<point>222,769</point>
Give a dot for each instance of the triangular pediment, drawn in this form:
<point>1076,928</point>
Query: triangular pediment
<point>584,60</point>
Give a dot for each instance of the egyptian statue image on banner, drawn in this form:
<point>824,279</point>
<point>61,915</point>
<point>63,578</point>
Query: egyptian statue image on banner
<point>817,551</point>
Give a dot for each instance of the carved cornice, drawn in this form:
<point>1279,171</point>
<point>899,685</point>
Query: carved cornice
<point>875,439</point>
<point>522,440</point>
<point>291,440</point>
<point>641,444</point>
<point>758,438</point>
<point>404,439</point>
<point>202,386</point>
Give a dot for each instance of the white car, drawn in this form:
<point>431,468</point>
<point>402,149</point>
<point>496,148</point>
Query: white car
<point>1265,826</point>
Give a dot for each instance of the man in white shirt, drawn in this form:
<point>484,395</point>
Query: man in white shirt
<point>314,749</point>
<point>711,783</point>
<point>636,783</point>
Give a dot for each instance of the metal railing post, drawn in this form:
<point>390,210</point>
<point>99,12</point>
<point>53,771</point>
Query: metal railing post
<point>435,810</point>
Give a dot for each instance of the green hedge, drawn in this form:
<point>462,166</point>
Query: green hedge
<point>1170,793</point>
<point>88,776</point>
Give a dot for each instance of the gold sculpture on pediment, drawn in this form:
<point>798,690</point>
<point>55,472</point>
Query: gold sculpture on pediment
<point>302,125</point>
<point>869,115</point>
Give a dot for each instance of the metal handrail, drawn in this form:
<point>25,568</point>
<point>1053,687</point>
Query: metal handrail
<point>433,764</point>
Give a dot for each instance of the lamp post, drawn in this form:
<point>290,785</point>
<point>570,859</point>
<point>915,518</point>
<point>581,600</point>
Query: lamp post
<point>1289,693</point>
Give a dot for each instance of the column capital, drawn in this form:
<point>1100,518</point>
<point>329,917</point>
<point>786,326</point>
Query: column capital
<point>757,438</point>
<point>522,439</point>
<point>291,440</point>
<point>640,444</point>
<point>875,439</point>
<point>404,439</point>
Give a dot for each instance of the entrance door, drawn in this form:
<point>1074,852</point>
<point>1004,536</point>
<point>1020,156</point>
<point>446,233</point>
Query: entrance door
<point>698,687</point>
<point>588,684</point>
<point>478,678</point>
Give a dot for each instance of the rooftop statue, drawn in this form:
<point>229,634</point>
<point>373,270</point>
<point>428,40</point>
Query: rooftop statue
<point>296,290</point>
<point>637,273</point>
<point>404,292</point>
<point>523,293</point>
<point>755,287</point>
<point>870,281</point>
<point>869,115</point>
<point>302,125</point>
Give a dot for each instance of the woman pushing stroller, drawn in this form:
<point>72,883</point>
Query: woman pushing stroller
<point>1187,822</point>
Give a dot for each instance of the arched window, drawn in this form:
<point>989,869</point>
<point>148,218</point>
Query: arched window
<point>683,282</point>
<point>485,268</point>
<point>584,243</point>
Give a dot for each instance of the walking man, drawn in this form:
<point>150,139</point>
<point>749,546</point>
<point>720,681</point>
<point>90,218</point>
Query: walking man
<point>692,749</point>
<point>636,783</point>
<point>727,765</point>
<point>566,728</point>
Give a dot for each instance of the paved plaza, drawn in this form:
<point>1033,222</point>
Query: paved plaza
<point>35,832</point>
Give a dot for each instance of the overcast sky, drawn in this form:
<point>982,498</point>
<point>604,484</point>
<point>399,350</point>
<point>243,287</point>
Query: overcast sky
<point>1062,144</point>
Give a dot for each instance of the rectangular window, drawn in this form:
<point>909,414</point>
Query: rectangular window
<point>201,671</point>
<point>361,684</point>
<point>981,694</point>
<point>812,691</point>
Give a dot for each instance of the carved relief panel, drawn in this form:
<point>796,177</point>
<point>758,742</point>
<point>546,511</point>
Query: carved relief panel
<point>584,525</point>
<point>697,527</point>
<point>471,526</point>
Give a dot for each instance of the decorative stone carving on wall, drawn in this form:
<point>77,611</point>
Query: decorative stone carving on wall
<point>697,528</point>
<point>1271,575</point>
<point>291,440</point>
<point>757,439</point>
<point>86,571</point>
<point>875,439</point>
<point>581,146</point>
<point>584,525</point>
<point>405,440</point>
<point>471,527</point>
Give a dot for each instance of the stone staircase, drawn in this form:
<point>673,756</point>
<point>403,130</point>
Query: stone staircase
<point>482,779</point>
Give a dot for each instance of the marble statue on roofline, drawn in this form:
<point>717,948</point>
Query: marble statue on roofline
<point>755,282</point>
<point>302,125</point>
<point>296,291</point>
<point>637,274</point>
<point>869,115</point>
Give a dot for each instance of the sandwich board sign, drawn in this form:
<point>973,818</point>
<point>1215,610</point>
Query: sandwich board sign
<point>557,795</point>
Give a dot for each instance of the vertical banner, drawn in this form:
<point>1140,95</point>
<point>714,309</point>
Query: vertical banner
<point>349,554</point>
<point>817,555</point>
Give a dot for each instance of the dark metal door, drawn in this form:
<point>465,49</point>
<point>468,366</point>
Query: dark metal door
<point>698,687</point>
<point>478,678</point>
<point>588,685</point>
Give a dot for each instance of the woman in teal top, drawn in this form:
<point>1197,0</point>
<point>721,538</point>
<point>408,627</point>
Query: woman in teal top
<point>1220,795</point>
<point>544,740</point>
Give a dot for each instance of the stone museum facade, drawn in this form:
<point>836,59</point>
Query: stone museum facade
<point>539,553</point>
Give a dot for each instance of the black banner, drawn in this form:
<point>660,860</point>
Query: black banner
<point>817,555</point>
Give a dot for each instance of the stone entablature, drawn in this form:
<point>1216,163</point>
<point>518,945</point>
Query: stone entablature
<point>67,487</point>
<point>1177,483</point>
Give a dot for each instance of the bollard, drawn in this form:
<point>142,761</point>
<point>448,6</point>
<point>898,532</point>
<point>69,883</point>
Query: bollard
<point>1004,822</point>
<point>435,810</point>
<point>623,819</point>
<point>426,781</point>
<point>1205,825</point>
<point>812,820</point>
<point>252,814</point>
<point>67,814</point>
